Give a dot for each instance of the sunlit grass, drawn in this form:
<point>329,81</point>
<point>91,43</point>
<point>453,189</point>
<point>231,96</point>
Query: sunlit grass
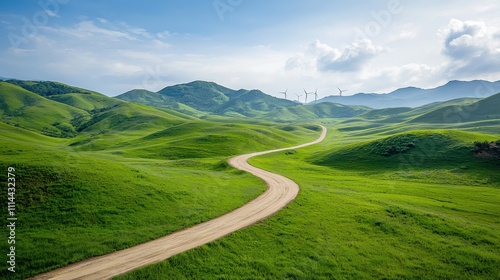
<point>350,223</point>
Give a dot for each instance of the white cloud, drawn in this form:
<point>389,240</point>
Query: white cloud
<point>472,47</point>
<point>328,59</point>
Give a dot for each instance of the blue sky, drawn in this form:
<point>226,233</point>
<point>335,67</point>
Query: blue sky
<point>364,46</point>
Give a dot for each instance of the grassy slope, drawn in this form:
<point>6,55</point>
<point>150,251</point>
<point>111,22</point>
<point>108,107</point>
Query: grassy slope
<point>315,111</point>
<point>483,109</point>
<point>206,139</point>
<point>158,100</point>
<point>443,155</point>
<point>401,114</point>
<point>358,223</point>
<point>76,204</point>
<point>26,109</point>
<point>87,102</point>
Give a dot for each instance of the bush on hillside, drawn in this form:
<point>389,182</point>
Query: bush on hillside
<point>395,145</point>
<point>485,148</point>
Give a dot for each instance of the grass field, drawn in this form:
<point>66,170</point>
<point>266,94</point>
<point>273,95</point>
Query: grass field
<point>73,204</point>
<point>363,221</point>
<point>391,194</point>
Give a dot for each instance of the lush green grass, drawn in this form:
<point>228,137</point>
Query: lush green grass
<point>354,224</point>
<point>88,102</point>
<point>315,112</point>
<point>75,204</point>
<point>379,198</point>
<point>444,156</point>
<point>23,108</point>
<point>484,109</point>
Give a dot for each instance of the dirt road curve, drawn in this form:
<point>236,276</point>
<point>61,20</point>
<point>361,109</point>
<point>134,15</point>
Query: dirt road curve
<point>280,192</point>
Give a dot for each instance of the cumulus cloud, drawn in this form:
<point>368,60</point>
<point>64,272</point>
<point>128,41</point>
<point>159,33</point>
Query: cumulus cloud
<point>471,46</point>
<point>325,58</point>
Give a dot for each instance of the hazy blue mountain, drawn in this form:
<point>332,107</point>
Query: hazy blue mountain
<point>415,97</point>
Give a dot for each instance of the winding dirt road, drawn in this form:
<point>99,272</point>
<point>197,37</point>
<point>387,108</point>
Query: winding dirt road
<point>279,193</point>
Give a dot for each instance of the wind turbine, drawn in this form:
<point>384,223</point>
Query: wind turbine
<point>284,92</point>
<point>307,93</point>
<point>298,97</point>
<point>316,96</point>
<point>341,91</point>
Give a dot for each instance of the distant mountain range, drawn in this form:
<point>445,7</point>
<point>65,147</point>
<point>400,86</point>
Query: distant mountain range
<point>415,97</point>
<point>62,110</point>
<point>199,98</point>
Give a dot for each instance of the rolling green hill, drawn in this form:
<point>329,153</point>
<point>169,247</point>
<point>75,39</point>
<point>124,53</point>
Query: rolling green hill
<point>124,165</point>
<point>484,109</point>
<point>158,100</point>
<point>47,88</point>
<point>450,151</point>
<point>88,102</point>
<point>370,194</point>
<point>315,111</point>
<point>23,108</point>
<point>402,114</point>
<point>76,97</point>
<point>385,113</point>
<point>379,217</point>
<point>80,204</point>
<point>199,97</point>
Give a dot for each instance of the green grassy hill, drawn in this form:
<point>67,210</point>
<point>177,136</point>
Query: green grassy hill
<point>77,97</point>
<point>445,153</point>
<point>74,205</point>
<point>384,113</point>
<point>82,115</point>
<point>379,217</point>
<point>200,98</point>
<point>375,202</point>
<point>252,103</point>
<point>23,108</point>
<point>200,95</point>
<point>484,109</point>
<point>203,139</point>
<point>158,100</point>
<point>47,88</point>
<point>88,102</point>
<point>315,111</point>
<point>402,114</point>
<point>123,170</point>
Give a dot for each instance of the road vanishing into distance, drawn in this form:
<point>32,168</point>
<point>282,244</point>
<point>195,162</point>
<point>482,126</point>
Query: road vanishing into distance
<point>279,193</point>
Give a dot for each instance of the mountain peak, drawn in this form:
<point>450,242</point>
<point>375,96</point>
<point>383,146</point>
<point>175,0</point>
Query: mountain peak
<point>414,96</point>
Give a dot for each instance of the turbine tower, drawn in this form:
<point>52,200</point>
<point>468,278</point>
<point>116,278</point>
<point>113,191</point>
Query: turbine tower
<point>316,96</point>
<point>307,93</point>
<point>341,91</point>
<point>284,92</point>
<point>298,97</point>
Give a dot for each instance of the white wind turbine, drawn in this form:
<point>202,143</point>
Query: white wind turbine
<point>307,93</point>
<point>284,92</point>
<point>341,91</point>
<point>298,97</point>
